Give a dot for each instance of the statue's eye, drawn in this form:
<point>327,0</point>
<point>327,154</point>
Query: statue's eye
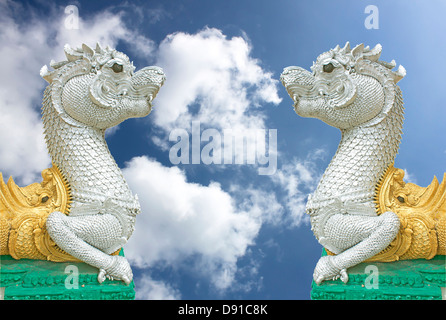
<point>329,67</point>
<point>117,67</point>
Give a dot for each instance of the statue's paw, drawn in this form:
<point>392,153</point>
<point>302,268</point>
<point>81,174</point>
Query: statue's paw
<point>119,270</point>
<point>326,270</point>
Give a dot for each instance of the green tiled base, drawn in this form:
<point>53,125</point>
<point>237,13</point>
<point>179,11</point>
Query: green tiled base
<point>418,279</point>
<point>43,280</point>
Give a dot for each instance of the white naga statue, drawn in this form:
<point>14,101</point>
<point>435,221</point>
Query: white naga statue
<point>83,210</point>
<point>362,210</point>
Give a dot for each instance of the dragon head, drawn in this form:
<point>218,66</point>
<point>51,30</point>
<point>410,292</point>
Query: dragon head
<point>98,88</point>
<point>346,88</point>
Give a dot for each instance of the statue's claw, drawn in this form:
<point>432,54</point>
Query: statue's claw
<point>101,275</point>
<point>126,280</point>
<point>319,280</point>
<point>326,270</point>
<point>344,275</point>
<point>119,270</point>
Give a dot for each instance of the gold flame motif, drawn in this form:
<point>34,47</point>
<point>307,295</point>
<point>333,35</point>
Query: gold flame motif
<point>23,213</point>
<point>422,213</point>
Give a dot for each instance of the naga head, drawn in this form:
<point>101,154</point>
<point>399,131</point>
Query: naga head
<point>99,88</point>
<point>346,88</point>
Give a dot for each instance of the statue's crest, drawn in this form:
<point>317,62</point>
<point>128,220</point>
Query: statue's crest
<point>349,58</point>
<point>94,58</point>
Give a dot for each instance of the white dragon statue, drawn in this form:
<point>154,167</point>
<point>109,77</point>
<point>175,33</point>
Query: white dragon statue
<point>362,210</point>
<point>83,210</point>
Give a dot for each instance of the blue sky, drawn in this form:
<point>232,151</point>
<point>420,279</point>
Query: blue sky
<point>222,231</point>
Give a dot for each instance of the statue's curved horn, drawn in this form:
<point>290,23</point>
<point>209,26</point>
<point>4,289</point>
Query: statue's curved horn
<point>87,50</point>
<point>72,55</point>
<point>389,65</point>
<point>374,54</point>
<point>98,48</point>
<point>358,50</point>
<point>399,74</point>
<point>46,74</point>
<point>346,48</point>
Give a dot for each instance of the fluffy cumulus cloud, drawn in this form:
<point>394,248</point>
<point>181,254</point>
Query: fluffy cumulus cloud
<point>212,79</point>
<point>181,219</point>
<point>150,289</point>
<point>23,151</point>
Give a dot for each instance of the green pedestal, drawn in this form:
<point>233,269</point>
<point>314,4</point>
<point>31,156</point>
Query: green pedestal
<point>43,280</point>
<point>418,279</point>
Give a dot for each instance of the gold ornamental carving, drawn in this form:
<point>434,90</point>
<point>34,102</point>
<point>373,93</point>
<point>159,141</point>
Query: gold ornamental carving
<point>23,213</point>
<point>422,214</point>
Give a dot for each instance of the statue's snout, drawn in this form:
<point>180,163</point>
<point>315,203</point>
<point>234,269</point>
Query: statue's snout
<point>298,82</point>
<point>148,81</point>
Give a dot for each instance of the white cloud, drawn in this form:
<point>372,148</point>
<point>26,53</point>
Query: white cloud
<point>180,220</point>
<point>214,80</point>
<point>148,289</point>
<point>216,73</point>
